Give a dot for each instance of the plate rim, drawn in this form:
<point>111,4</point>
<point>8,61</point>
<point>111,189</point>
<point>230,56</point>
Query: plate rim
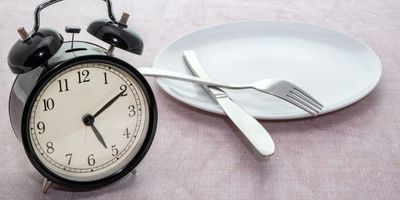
<point>296,115</point>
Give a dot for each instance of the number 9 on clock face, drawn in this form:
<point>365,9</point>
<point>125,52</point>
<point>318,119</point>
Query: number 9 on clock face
<point>89,121</point>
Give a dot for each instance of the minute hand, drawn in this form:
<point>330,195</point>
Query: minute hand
<point>108,104</point>
<point>252,130</point>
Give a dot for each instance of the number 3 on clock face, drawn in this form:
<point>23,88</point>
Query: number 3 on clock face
<point>89,121</point>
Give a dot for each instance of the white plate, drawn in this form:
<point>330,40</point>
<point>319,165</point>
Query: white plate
<point>336,69</point>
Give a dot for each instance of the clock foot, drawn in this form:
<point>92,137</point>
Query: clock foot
<point>46,185</point>
<point>133,172</point>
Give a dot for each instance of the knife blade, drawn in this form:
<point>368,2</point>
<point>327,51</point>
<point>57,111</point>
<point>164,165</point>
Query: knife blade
<point>250,127</point>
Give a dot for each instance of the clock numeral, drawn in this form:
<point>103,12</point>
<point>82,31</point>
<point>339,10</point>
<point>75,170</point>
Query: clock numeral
<point>114,150</point>
<point>124,88</point>
<point>132,111</point>
<point>68,156</point>
<point>63,85</point>
<point>48,104</point>
<point>50,148</point>
<point>41,127</point>
<point>91,161</point>
<point>126,133</point>
<point>85,75</point>
<point>105,78</point>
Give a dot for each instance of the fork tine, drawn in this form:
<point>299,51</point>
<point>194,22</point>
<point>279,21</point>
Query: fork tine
<point>298,99</point>
<point>307,95</point>
<point>305,98</point>
<point>304,104</point>
<point>299,105</point>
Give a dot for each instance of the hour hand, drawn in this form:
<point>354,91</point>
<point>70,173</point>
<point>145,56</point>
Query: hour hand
<point>98,135</point>
<point>88,120</point>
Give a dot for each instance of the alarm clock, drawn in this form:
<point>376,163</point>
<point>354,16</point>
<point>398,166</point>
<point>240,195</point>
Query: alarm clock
<point>85,118</point>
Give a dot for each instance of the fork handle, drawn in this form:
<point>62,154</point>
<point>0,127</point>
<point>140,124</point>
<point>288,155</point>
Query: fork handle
<point>160,73</point>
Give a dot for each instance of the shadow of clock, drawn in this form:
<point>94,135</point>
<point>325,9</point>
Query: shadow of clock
<point>127,182</point>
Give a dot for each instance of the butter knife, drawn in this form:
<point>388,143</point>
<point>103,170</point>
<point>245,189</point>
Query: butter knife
<point>250,127</point>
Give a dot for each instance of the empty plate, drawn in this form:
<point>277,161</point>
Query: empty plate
<point>335,68</point>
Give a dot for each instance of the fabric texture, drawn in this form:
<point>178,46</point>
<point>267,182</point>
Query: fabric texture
<point>353,153</point>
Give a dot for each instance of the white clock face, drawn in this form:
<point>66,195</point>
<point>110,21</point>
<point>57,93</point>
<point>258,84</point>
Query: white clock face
<point>89,121</point>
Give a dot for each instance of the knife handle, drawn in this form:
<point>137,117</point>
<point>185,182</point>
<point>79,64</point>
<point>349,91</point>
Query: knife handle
<point>248,125</point>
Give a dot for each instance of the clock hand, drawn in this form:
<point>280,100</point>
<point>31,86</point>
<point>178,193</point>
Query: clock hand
<point>88,120</point>
<point>98,135</point>
<point>108,104</point>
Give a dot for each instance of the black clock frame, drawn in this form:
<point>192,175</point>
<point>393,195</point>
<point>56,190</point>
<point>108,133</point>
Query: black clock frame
<point>44,75</point>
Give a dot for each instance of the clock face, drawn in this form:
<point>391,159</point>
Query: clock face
<point>89,121</point>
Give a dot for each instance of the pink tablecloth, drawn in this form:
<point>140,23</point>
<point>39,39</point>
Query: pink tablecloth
<point>350,154</point>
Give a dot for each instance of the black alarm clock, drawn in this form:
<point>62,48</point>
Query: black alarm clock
<point>85,118</point>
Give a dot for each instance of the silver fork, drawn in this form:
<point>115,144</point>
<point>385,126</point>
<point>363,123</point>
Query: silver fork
<point>279,88</point>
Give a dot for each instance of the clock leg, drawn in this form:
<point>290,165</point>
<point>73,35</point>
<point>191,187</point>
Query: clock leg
<point>133,172</point>
<point>46,185</point>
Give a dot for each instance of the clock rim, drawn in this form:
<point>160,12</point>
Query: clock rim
<point>59,68</point>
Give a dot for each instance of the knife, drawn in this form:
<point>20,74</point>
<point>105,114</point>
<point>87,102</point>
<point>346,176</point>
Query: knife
<point>250,127</point>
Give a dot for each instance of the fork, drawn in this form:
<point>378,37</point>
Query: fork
<point>279,88</point>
